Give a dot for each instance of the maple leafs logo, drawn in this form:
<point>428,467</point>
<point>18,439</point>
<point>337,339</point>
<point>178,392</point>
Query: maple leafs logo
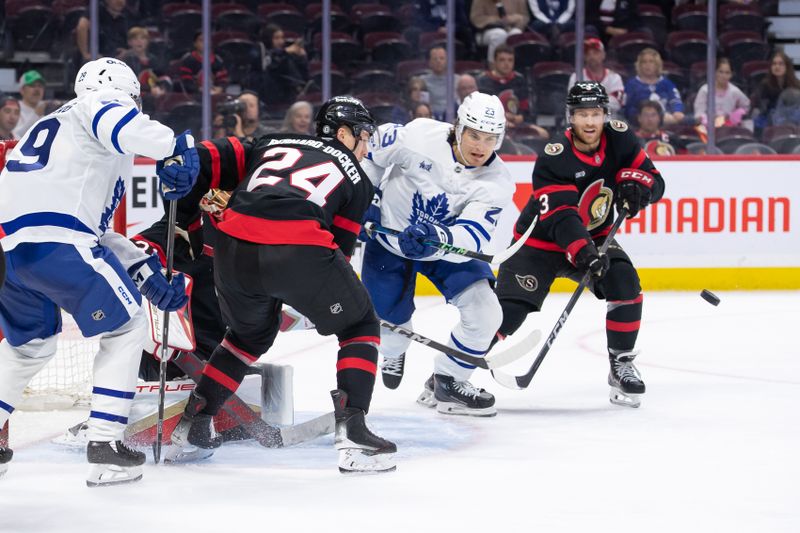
<point>116,198</point>
<point>434,210</point>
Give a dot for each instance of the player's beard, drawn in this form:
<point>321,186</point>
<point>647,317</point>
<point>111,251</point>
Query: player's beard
<point>577,134</point>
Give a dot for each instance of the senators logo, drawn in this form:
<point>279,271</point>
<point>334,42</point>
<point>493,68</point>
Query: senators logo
<point>553,148</point>
<point>595,205</point>
<point>528,283</point>
<point>618,125</point>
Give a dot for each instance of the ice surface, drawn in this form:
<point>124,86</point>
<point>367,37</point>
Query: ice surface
<point>714,446</point>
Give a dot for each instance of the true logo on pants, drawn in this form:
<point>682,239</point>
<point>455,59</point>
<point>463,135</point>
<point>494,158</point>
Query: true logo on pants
<point>336,308</point>
<point>529,283</point>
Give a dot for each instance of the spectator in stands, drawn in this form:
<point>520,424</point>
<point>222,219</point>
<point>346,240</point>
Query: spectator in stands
<point>115,21</point>
<point>298,118</point>
<point>502,76</point>
<point>765,97</point>
<point>552,18</point>
<point>251,125</point>
<point>285,66</point>
<point>31,88</point>
<point>466,86</point>
<point>496,20</point>
<point>610,18</point>
<point>416,93</point>
<point>421,110</point>
<point>650,121</point>
<point>514,117</point>
<point>787,110</point>
<point>9,116</point>
<point>191,69</point>
<point>436,81</point>
<point>137,56</point>
<point>595,70</point>
<point>431,15</point>
<point>649,84</point>
<point>731,104</point>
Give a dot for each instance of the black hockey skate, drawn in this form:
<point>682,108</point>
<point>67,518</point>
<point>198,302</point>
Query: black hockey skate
<point>625,381</point>
<point>461,397</point>
<point>112,463</point>
<point>5,456</point>
<point>360,450</point>
<point>392,370</point>
<point>194,438</point>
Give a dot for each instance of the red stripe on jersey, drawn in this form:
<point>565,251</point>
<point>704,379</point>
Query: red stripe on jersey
<point>622,327</point>
<point>265,231</point>
<point>362,340</point>
<point>356,363</point>
<point>550,189</point>
<point>157,247</point>
<point>243,356</point>
<point>238,149</point>
<point>208,250</point>
<point>595,159</point>
<point>347,225</point>
<point>637,163</point>
<point>538,243</point>
<point>196,225</point>
<point>636,300</point>
<point>221,378</point>
<point>573,248</point>
<point>216,171</point>
<point>556,210</point>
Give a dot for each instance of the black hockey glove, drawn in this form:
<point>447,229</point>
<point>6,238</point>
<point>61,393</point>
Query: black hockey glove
<point>633,190</point>
<point>587,258</point>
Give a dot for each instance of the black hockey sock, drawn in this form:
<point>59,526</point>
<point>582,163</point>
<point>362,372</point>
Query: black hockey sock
<point>356,368</point>
<point>222,375</point>
<point>622,324</point>
<point>514,314</point>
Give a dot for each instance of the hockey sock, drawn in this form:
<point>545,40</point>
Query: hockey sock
<point>622,324</point>
<point>223,374</point>
<point>514,314</point>
<point>356,367</point>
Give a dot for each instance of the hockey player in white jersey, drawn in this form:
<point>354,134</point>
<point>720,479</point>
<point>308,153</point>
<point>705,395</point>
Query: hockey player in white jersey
<point>445,184</point>
<point>58,192</point>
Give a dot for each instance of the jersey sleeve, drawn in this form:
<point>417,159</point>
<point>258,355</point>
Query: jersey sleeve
<point>634,156</point>
<point>558,196</point>
<point>222,166</point>
<point>387,148</point>
<point>346,223</point>
<point>115,121</point>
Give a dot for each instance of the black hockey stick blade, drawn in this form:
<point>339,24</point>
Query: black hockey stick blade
<point>521,382</point>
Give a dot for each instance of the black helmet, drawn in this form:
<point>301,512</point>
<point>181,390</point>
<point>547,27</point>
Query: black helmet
<point>344,111</point>
<point>587,94</point>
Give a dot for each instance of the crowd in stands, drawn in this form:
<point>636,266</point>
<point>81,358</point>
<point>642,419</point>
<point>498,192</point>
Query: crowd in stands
<point>266,64</point>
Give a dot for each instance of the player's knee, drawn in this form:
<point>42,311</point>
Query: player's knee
<point>480,310</point>
<point>367,327</point>
<point>621,282</point>
<point>514,314</point>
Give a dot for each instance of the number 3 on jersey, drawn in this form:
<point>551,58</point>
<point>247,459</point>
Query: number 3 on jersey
<point>318,181</point>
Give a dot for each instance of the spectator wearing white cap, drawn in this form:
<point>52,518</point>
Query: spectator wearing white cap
<point>9,116</point>
<point>31,108</point>
<point>594,69</point>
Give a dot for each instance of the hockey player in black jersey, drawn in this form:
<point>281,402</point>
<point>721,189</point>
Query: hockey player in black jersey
<point>285,236</point>
<point>597,164</point>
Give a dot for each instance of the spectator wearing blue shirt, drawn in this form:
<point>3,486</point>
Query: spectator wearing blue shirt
<point>650,84</point>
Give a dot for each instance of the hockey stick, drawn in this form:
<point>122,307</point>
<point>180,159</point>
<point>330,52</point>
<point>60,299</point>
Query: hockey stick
<point>521,382</point>
<point>162,367</point>
<point>489,362</point>
<point>265,434</point>
<point>372,228</point>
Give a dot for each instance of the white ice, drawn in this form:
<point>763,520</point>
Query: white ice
<point>714,446</point>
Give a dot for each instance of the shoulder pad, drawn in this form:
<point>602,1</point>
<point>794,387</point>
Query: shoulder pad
<point>553,148</point>
<point>618,125</point>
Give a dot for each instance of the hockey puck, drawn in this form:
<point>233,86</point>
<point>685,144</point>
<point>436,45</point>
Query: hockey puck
<point>709,296</point>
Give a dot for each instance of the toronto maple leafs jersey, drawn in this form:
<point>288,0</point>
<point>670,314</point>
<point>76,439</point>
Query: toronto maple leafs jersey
<point>65,177</point>
<point>425,183</point>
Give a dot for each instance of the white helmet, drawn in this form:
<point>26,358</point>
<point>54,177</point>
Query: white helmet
<point>482,112</point>
<point>107,73</point>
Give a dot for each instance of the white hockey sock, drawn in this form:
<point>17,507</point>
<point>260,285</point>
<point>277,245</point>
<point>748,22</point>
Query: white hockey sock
<point>393,344</point>
<point>115,370</point>
<point>18,365</point>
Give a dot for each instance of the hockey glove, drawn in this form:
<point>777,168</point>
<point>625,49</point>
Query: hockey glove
<point>178,172</point>
<point>411,240</point>
<point>633,190</point>
<point>372,214</point>
<point>153,285</point>
<point>584,256</point>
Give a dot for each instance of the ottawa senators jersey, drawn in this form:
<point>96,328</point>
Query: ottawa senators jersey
<point>287,189</point>
<point>576,190</point>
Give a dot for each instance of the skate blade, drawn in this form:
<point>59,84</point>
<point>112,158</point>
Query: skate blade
<point>427,399</point>
<point>3,470</point>
<point>357,461</point>
<point>186,454</point>
<point>77,440</point>
<point>617,397</point>
<point>446,408</point>
<point>102,475</point>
